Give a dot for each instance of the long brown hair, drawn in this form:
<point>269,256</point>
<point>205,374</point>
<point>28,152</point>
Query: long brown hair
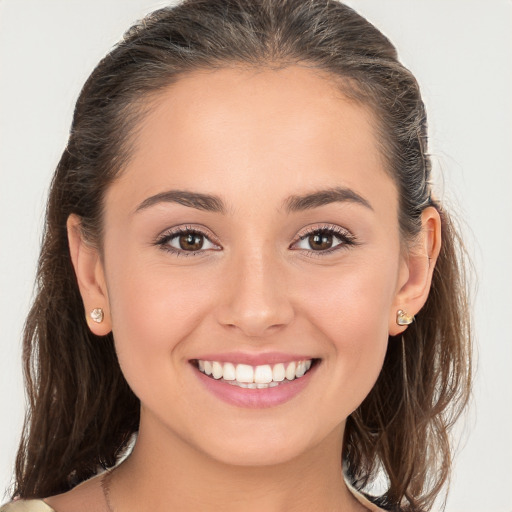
<point>81,411</point>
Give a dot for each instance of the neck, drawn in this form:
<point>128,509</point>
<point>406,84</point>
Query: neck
<point>173,475</point>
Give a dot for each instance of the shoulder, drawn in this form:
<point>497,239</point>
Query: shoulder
<point>26,506</point>
<point>85,497</point>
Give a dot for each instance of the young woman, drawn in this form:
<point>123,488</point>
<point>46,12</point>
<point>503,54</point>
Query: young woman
<point>245,281</point>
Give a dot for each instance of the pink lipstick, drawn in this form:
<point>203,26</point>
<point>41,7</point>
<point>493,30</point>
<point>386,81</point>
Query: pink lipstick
<point>255,380</point>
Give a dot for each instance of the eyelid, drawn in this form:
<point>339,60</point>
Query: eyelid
<point>344,235</point>
<point>346,238</point>
<point>167,235</point>
<point>308,230</point>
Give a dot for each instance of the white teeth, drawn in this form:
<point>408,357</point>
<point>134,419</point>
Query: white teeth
<point>290,371</point>
<point>217,370</point>
<point>257,377</point>
<point>263,374</point>
<point>229,371</point>
<point>244,373</point>
<point>278,373</point>
<point>253,385</point>
<point>300,370</point>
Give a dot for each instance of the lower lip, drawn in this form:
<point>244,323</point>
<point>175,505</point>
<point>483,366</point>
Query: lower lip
<point>255,398</point>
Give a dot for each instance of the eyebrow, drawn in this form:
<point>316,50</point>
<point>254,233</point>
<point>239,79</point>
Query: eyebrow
<point>196,200</point>
<point>294,203</point>
<point>323,197</point>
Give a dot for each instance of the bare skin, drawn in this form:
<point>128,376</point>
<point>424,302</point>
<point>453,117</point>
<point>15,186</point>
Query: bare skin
<point>253,139</point>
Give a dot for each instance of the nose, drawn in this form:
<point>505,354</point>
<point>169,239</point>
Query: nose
<point>255,299</point>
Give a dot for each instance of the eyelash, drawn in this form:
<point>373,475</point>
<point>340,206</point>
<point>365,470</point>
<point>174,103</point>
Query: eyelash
<point>345,237</point>
<point>164,239</point>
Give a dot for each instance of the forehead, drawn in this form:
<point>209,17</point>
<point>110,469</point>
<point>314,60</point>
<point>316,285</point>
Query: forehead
<point>303,100</point>
<point>234,129</point>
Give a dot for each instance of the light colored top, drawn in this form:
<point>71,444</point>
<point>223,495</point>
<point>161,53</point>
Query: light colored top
<point>26,506</point>
<point>41,506</point>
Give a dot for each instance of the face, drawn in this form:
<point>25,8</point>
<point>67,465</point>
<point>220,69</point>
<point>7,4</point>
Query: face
<point>254,227</point>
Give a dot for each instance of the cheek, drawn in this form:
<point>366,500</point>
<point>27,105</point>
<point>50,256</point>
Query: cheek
<point>153,309</point>
<point>350,310</point>
<point>352,299</point>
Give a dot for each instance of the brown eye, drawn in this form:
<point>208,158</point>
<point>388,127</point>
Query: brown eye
<point>325,240</point>
<point>320,241</point>
<point>191,241</point>
<point>186,242</point>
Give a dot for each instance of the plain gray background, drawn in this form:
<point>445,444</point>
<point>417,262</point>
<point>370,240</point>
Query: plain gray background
<point>461,53</point>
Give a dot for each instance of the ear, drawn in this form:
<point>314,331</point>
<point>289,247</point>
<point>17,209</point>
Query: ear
<point>90,276</point>
<point>417,268</point>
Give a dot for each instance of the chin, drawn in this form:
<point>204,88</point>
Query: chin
<point>266,446</point>
<point>257,455</point>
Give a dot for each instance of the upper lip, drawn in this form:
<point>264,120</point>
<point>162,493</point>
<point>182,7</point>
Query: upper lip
<point>253,359</point>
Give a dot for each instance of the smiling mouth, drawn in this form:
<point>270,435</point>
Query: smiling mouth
<point>255,377</point>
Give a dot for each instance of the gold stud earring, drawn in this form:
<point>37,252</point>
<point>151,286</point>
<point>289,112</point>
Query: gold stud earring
<point>402,318</point>
<point>97,315</point>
